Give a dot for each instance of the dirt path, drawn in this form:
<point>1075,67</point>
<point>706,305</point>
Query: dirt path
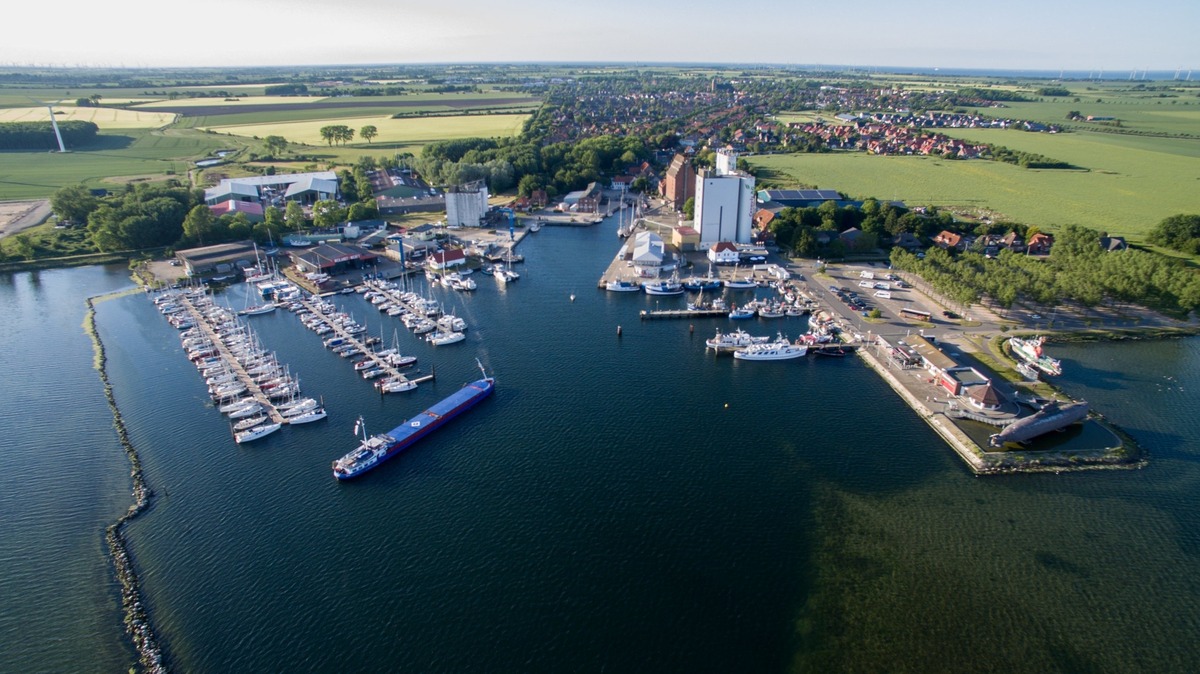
<point>16,216</point>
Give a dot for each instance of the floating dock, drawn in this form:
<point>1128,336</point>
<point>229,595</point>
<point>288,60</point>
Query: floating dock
<point>683,313</point>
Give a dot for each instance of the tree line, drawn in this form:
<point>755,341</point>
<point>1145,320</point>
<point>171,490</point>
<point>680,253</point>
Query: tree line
<point>1077,269</point>
<point>40,135</point>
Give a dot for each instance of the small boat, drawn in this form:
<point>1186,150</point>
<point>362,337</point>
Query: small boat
<point>395,385</point>
<point>255,433</point>
<point>741,313</point>
<point>443,338</point>
<point>246,411</point>
<point>308,417</point>
<point>250,422</point>
<point>619,286</point>
<point>670,286</point>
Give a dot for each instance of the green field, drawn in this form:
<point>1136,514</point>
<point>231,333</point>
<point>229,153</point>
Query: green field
<point>407,131</point>
<point>1133,182</point>
<point>148,154</point>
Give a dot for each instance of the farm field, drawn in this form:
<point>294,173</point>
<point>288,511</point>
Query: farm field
<point>239,100</point>
<point>105,118</point>
<point>131,153</point>
<point>407,131</point>
<point>1129,190</point>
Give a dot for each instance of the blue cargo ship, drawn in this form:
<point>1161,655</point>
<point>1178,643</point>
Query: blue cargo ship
<point>376,449</point>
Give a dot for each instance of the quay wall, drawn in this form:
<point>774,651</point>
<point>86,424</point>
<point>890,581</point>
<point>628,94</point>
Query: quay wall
<point>962,445</point>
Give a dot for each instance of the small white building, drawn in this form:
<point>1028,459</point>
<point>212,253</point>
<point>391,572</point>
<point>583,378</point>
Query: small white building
<point>447,258</point>
<point>723,252</point>
<point>466,204</point>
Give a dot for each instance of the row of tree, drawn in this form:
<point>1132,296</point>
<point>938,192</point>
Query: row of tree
<point>1178,232</point>
<point>342,134</point>
<point>40,135</point>
<point>1078,269</point>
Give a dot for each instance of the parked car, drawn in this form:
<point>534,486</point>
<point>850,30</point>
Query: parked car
<point>950,315</point>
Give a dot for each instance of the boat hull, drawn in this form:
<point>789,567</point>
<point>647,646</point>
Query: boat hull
<point>404,436</point>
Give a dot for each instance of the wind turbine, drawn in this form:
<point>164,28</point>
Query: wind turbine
<point>53,121</point>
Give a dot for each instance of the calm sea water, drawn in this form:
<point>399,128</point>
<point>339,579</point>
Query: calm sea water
<point>621,504</point>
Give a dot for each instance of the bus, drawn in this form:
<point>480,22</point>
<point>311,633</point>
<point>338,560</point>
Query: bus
<point>916,313</point>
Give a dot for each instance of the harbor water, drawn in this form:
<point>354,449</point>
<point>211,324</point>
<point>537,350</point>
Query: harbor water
<point>621,504</point>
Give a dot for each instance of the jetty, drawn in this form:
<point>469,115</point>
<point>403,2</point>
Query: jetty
<point>682,313</point>
<point>212,336</point>
<point>391,371</point>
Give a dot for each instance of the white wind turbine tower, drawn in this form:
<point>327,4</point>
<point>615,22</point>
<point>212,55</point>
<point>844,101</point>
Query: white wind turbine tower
<point>53,121</point>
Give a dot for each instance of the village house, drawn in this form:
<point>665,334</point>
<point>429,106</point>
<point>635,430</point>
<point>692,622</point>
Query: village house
<point>447,259</point>
<point>723,252</point>
<point>948,240</point>
<point>1039,244</point>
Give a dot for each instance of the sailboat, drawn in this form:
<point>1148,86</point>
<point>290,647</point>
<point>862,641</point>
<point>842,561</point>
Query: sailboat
<point>734,283</point>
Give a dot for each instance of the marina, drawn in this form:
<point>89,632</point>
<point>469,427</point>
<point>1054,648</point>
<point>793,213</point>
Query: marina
<point>503,483</point>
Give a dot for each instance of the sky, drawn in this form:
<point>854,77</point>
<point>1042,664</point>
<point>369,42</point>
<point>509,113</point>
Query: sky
<point>1007,34</point>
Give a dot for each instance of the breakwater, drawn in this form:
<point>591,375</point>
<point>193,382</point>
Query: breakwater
<point>137,620</point>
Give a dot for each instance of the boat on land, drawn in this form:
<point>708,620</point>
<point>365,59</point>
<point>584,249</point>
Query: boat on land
<point>1054,416</point>
<point>260,431</point>
<point>780,349</point>
<point>1030,351</point>
<point>375,449</point>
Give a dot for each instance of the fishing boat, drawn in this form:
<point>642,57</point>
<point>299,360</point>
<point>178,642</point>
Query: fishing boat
<point>619,286</point>
<point>373,450</point>
<point>780,349</point>
<point>1030,351</point>
<point>732,341</point>
<point>255,433</point>
<point>741,313</point>
<point>670,286</point>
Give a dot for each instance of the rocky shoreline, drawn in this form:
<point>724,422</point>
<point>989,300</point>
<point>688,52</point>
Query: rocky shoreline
<point>137,619</point>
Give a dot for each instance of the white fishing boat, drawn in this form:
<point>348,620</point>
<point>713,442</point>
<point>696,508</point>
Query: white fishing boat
<point>732,341</point>
<point>780,349</point>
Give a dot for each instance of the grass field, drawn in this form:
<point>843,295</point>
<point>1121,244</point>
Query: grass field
<point>105,118</point>
<point>1133,183</point>
<point>127,153</point>
<point>408,131</point>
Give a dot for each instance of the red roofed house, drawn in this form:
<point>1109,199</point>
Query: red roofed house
<point>762,219</point>
<point>723,252</point>
<point>447,258</point>
<point>948,240</point>
<point>253,211</point>
<point>1039,244</point>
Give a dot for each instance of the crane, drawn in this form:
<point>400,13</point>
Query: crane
<point>512,218</point>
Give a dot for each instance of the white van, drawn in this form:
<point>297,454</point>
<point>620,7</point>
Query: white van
<point>883,294</point>
<point>865,284</point>
<point>866,274</point>
<point>880,285</point>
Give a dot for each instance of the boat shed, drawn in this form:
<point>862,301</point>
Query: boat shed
<point>332,258</point>
<point>648,252</point>
<point>223,258</point>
